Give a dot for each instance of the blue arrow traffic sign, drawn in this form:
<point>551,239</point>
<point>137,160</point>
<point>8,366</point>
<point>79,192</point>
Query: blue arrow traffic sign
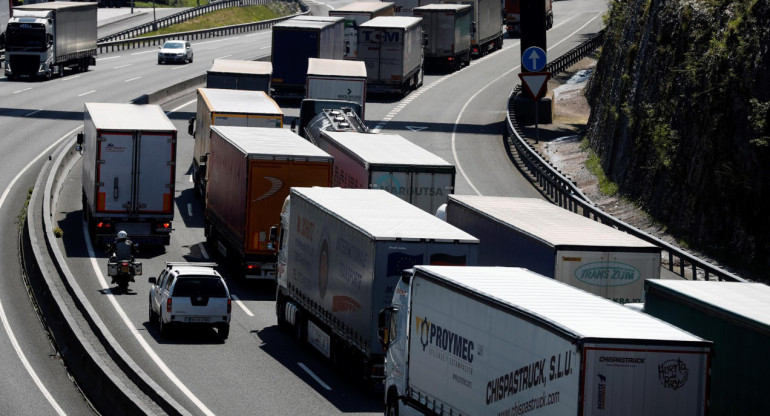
<point>533,59</point>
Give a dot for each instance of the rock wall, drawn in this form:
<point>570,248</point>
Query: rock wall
<point>681,120</point>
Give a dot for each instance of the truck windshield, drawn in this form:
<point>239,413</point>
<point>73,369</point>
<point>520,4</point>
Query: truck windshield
<point>25,37</point>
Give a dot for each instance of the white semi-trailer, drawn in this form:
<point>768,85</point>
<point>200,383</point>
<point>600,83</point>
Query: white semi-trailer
<point>507,341</point>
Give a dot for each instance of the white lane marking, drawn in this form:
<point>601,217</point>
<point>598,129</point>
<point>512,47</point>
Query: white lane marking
<point>174,110</point>
<point>132,79</point>
<point>111,57</point>
<point>214,41</point>
<point>34,112</point>
<point>122,66</point>
<point>189,210</point>
<point>147,349</point>
<point>190,178</point>
<point>178,67</point>
<point>69,78</point>
<point>312,374</point>
<point>25,89</point>
<point>264,47</point>
<point>142,53</point>
<point>86,93</point>
<point>239,303</point>
<point>3,317</point>
<point>223,57</point>
<point>204,253</point>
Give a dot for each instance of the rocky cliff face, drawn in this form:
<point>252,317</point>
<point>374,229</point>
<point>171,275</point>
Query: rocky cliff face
<point>681,119</point>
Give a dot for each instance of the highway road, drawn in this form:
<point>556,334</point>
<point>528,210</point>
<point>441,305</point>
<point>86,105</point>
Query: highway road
<point>259,369</point>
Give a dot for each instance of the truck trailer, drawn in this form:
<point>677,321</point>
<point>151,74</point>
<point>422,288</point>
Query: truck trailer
<point>129,172</point>
<point>338,31</point>
<point>356,13</point>
<point>507,341</point>
<point>223,107</point>
<point>448,29</point>
<point>544,238</point>
<point>392,48</point>
<point>233,74</point>
<point>294,42</point>
<point>487,33</point>
<point>736,317</point>
<point>250,172</point>
<point>45,38</point>
<point>341,254</point>
<point>512,13</point>
<point>333,119</point>
<point>389,162</point>
<point>335,79</point>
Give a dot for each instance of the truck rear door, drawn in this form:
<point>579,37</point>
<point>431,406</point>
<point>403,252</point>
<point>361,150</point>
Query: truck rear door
<point>155,176</point>
<point>115,169</point>
<point>618,276</point>
<point>431,189</point>
<point>369,51</point>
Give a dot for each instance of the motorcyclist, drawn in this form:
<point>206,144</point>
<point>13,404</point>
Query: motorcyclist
<point>122,248</point>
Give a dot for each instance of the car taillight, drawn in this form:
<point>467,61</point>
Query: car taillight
<point>229,305</point>
<point>163,226</point>
<point>168,305</point>
<point>252,267</point>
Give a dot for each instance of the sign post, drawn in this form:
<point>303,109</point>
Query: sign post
<point>534,81</point>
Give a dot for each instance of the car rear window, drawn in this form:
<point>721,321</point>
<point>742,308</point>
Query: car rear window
<point>199,286</point>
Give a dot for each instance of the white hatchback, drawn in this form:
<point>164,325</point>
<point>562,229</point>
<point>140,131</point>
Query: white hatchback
<point>190,295</point>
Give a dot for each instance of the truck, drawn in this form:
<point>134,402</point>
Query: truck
<point>735,316</point>
<point>338,31</point>
<point>6,7</point>
<point>392,48</point>
<point>406,7</point>
<point>226,108</point>
<point>43,39</point>
<point>512,16</point>
<point>129,172</point>
<point>234,74</point>
<point>389,162</point>
<point>487,31</point>
<point>557,243</point>
<point>294,41</point>
<point>341,254</point>
<point>356,13</point>
<point>336,79</point>
<point>508,341</point>
<point>324,114</point>
<point>448,31</point>
<point>250,171</point>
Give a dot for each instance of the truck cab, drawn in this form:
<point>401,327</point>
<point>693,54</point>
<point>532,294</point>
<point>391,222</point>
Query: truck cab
<point>393,332</point>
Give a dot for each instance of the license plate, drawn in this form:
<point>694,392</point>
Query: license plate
<point>197,320</point>
<point>125,268</point>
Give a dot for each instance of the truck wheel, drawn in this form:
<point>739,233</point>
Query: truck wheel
<point>280,311</point>
<point>391,409</point>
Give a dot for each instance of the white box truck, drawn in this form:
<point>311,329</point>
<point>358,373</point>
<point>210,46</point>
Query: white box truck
<point>448,31</point>
<point>44,38</point>
<point>389,162</point>
<point>356,13</point>
<point>341,253</point>
<point>507,341</point>
<point>487,32</point>
<point>392,47</point>
<point>336,79</point>
<point>221,107</point>
<point>234,74</point>
<point>129,172</point>
<point>547,239</point>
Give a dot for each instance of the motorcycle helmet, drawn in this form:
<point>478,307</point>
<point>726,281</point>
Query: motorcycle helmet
<point>122,234</point>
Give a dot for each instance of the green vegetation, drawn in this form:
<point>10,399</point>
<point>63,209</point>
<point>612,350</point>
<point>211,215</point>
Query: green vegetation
<point>594,165</point>
<point>231,16</point>
<point>171,3</point>
<point>23,213</point>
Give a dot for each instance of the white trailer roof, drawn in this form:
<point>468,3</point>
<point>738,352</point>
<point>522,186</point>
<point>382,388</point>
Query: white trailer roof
<point>403,22</point>
<point>332,19</point>
<point>549,223</point>
<point>573,310</point>
<point>55,5</point>
<point>239,101</point>
<point>385,149</point>
<point>235,66</point>
<point>383,216</point>
<point>362,7</point>
<point>442,7</point>
<point>750,301</point>
<point>295,23</point>
<point>336,68</point>
<point>134,117</point>
<point>271,143</point>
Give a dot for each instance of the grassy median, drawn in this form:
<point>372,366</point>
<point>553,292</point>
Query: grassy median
<point>231,16</point>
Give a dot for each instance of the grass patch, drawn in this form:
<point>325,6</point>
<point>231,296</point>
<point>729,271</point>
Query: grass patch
<point>594,165</point>
<point>171,3</point>
<point>23,213</point>
<point>231,16</point>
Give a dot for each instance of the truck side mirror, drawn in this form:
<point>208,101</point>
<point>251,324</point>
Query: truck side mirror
<point>191,126</point>
<point>151,280</point>
<point>383,325</point>
<point>347,47</point>
<point>294,125</point>
<point>424,39</point>
<point>473,27</point>
<point>273,234</point>
<point>81,137</point>
<point>204,158</point>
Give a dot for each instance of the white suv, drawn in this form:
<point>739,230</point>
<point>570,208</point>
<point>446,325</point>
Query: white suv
<point>190,294</point>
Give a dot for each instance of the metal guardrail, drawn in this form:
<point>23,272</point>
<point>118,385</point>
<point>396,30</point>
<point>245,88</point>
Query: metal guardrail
<point>143,42</point>
<point>564,193</point>
<point>179,18</point>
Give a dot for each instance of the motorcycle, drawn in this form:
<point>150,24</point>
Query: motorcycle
<point>123,271</point>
